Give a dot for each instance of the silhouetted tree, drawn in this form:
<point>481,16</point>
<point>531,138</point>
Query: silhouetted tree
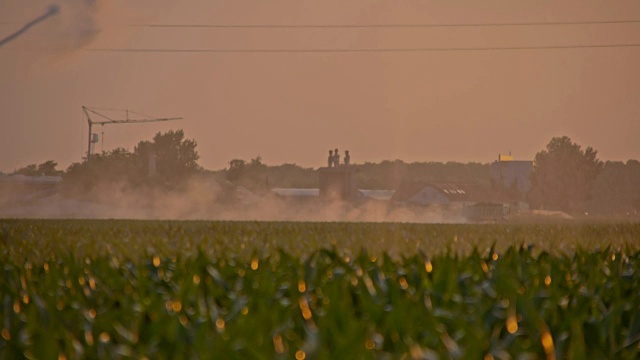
<point>46,168</point>
<point>257,162</point>
<point>563,175</point>
<point>236,169</point>
<point>175,157</point>
<point>253,175</point>
<point>616,191</point>
<point>176,160</point>
<point>113,166</point>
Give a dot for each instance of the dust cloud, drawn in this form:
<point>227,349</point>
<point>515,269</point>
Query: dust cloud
<point>207,199</point>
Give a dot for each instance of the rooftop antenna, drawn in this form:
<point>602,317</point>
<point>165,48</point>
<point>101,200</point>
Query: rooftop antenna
<point>93,138</point>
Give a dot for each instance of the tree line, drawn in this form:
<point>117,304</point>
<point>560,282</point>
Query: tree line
<point>565,176</point>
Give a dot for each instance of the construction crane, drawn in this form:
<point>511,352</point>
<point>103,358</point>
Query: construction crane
<point>93,138</point>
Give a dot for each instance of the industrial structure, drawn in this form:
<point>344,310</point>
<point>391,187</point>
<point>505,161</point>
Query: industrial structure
<point>509,173</point>
<point>338,181</point>
<point>93,138</point>
<point>473,201</point>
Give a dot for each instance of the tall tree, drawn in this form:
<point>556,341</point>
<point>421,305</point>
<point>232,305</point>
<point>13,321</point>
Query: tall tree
<point>175,156</point>
<point>563,175</point>
<point>253,175</point>
<point>236,169</point>
<point>113,166</point>
<point>46,168</point>
<point>616,190</point>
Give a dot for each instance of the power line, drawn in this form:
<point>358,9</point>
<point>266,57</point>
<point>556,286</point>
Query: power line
<point>362,50</point>
<point>349,26</point>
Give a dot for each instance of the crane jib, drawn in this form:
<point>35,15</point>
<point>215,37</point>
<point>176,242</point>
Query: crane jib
<point>93,139</point>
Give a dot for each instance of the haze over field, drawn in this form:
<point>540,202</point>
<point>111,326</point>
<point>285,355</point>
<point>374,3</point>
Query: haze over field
<point>462,105</point>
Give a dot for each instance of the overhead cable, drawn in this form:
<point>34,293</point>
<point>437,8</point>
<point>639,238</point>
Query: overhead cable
<point>362,50</point>
<point>347,26</point>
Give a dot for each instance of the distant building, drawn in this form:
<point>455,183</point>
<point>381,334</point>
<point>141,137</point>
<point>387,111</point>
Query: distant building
<point>475,202</point>
<point>361,195</point>
<point>296,193</point>
<point>24,188</point>
<point>338,182</point>
<point>482,212</point>
<point>378,195</point>
<point>507,173</point>
<point>44,180</point>
<point>426,194</point>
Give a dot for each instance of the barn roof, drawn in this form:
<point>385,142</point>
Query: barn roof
<point>451,190</point>
<point>377,194</point>
<point>293,192</point>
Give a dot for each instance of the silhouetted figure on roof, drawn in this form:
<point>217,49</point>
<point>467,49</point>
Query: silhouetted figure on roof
<point>336,158</point>
<point>330,159</point>
<point>347,157</point>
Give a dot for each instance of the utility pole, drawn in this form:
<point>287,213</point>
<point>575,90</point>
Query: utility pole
<point>93,138</point>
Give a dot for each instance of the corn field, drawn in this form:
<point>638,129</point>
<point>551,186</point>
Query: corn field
<point>75,289</point>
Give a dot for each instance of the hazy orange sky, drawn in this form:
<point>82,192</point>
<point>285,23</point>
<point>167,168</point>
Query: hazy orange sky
<point>456,105</point>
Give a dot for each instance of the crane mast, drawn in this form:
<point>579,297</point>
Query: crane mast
<point>107,120</point>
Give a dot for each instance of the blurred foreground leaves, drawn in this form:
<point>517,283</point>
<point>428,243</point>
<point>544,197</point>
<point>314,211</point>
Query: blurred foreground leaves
<point>120,289</point>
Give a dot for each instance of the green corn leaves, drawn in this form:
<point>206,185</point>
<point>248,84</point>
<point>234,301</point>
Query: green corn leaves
<point>165,290</point>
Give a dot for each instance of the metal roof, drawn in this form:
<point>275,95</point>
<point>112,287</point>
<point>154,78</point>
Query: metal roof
<point>296,192</point>
<point>453,191</point>
<point>25,179</point>
<point>377,194</point>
